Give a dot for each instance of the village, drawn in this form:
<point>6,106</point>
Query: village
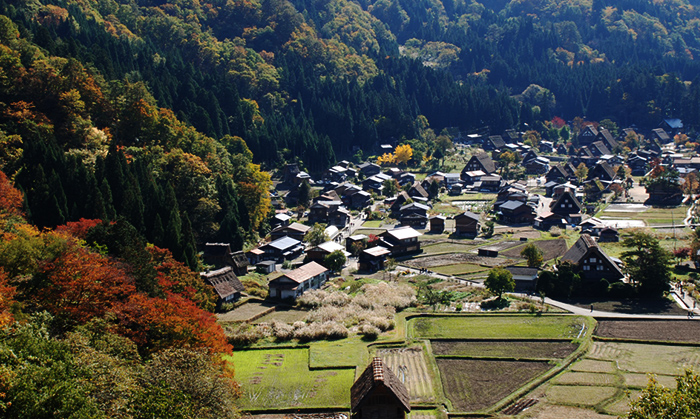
<point>357,255</point>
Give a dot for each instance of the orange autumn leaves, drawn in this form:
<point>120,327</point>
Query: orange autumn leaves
<point>77,284</point>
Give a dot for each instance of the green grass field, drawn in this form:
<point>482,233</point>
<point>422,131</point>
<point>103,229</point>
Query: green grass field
<point>351,351</point>
<point>372,223</point>
<point>498,327</point>
<point>455,269</point>
<point>580,395</point>
<point>281,378</point>
<point>443,247</point>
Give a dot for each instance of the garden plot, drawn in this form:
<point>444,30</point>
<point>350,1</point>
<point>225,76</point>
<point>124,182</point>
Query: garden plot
<point>457,258</point>
<point>245,312</point>
<point>410,365</point>
<point>499,327</point>
<point>473,385</point>
<point>656,330</point>
<point>648,358</point>
<point>551,249</point>
<point>281,378</point>
<point>519,349</point>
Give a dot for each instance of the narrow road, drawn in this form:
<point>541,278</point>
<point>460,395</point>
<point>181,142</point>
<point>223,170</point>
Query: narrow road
<point>684,302</point>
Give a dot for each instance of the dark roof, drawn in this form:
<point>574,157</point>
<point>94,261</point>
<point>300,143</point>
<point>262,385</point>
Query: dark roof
<point>469,215</point>
<point>217,249</point>
<point>661,134</point>
<point>497,141</point>
<point>607,168</point>
<point>486,162</point>
<point>579,249</point>
<point>376,374</point>
<point>566,193</point>
<point>239,259</point>
<point>522,271</point>
<point>419,189</point>
<point>609,139</point>
<point>512,205</point>
<point>602,149</point>
<point>224,281</point>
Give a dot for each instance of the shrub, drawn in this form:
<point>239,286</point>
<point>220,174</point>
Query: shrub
<point>459,307</point>
<point>282,331</point>
<point>247,334</point>
<point>369,332</point>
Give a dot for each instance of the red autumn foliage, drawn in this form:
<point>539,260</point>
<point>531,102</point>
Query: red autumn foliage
<point>10,197</point>
<point>558,122</point>
<point>176,278</point>
<point>7,294</point>
<point>80,228</point>
<point>81,285</point>
<point>155,324</point>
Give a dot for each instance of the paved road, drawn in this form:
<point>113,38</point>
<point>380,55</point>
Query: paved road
<point>684,301</point>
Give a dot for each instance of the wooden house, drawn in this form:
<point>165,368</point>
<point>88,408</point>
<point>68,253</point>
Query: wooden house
<point>609,235</point>
<point>467,223</point>
<point>224,281</point>
<point>293,284</point>
<point>472,177</point>
<point>566,205</point>
<point>525,277</point>
<point>414,214</point>
<point>284,248</point>
<point>320,252</point>
<point>401,200</point>
<point>514,211</point>
<point>602,171</point>
<point>437,224</point>
<point>606,137</point>
<point>660,135</point>
<point>373,259</point>
<point>494,143</point>
<point>401,241</point>
<point>672,126</point>
<point>369,169</point>
<point>593,264</point>
<point>480,162</point>
<point>295,230</point>
<point>560,173</point>
<point>588,135</point>
<point>379,394</point>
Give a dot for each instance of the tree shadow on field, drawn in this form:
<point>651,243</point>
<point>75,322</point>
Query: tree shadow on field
<point>657,306</point>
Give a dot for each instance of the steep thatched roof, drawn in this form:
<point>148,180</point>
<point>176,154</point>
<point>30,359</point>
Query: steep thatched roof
<point>378,374</point>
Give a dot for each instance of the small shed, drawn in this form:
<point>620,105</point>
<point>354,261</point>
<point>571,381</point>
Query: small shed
<point>489,251</point>
<point>266,267</point>
<point>437,224</point>
<point>379,394</point>
<point>225,283</point>
<point>525,277</point>
<point>609,235</point>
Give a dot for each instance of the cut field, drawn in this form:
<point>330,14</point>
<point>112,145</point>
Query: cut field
<point>281,378</point>
<point>454,247</point>
<point>652,216</point>
<point>580,395</point>
<point>411,366</point>
<point>351,351</point>
<point>284,314</point>
<point>244,312</point>
<point>648,358</point>
<point>519,349</point>
<point>660,306</point>
<point>430,261</point>
<point>553,248</point>
<point>498,327</point>
<point>656,330</point>
<point>457,269</point>
<point>473,385</point>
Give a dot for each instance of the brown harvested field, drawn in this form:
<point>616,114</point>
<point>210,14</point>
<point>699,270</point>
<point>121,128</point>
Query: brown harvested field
<point>681,330</point>
<point>245,312</point>
<point>449,259</point>
<point>511,348</point>
<point>283,314</point>
<point>474,385</point>
<point>661,306</point>
<point>553,248</point>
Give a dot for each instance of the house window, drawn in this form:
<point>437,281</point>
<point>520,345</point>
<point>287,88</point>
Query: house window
<point>592,259</point>
<point>586,267</point>
<point>569,205</point>
<point>601,268</point>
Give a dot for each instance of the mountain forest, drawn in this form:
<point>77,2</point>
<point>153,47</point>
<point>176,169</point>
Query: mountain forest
<point>134,131</point>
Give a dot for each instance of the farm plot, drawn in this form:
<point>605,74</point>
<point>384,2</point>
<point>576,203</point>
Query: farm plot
<point>648,358</point>
<point>351,351</point>
<point>473,385</point>
<point>498,327</point>
<point>456,269</point>
<point>281,378</point>
<point>519,349</point>
<point>445,246</point>
<point>553,248</point>
<point>459,258</point>
<point>654,330</point>
<point>284,314</point>
<point>410,365</point>
<point>245,312</point>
